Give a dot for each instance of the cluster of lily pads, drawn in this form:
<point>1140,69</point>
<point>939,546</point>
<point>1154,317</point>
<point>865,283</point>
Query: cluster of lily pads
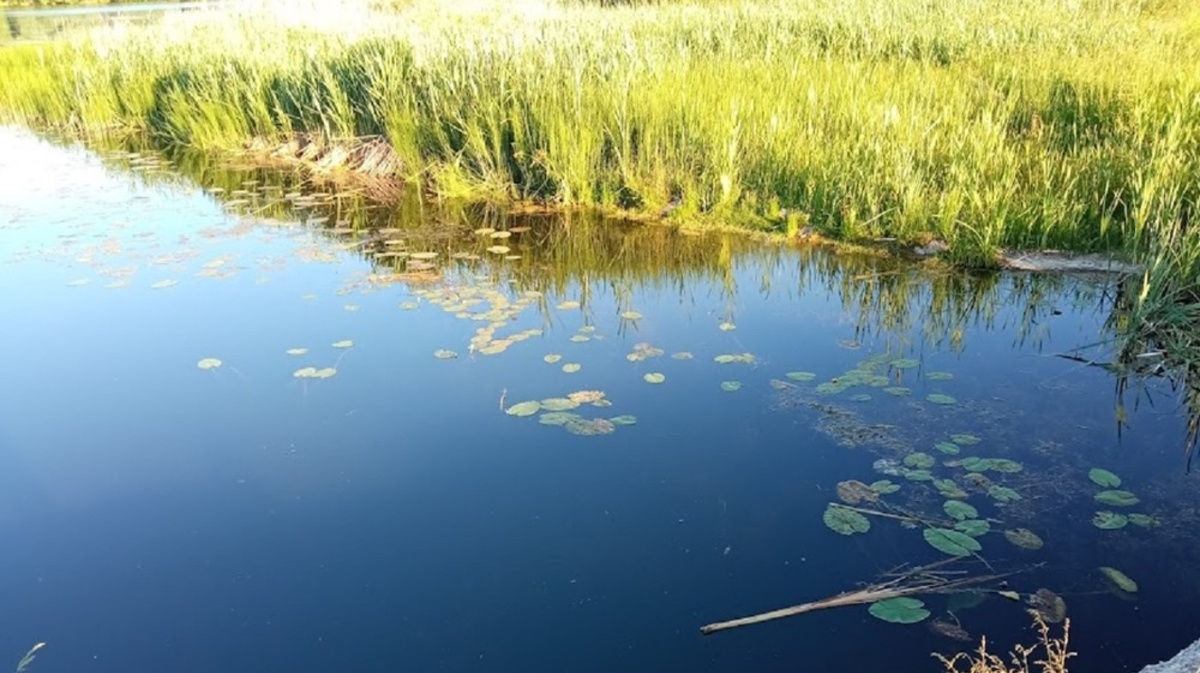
<point>873,372</point>
<point>558,412</point>
<point>1115,497</point>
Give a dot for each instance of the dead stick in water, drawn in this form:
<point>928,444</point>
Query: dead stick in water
<point>925,583</point>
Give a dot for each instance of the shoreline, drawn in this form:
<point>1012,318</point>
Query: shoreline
<point>1187,661</point>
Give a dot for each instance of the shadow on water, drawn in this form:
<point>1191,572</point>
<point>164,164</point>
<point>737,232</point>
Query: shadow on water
<point>947,383</point>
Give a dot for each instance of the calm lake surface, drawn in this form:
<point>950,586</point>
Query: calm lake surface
<point>389,515</point>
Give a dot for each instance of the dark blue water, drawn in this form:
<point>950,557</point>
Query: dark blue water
<point>159,516</point>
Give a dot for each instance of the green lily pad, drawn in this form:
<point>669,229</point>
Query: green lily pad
<point>731,386</point>
<point>948,448</point>
<point>949,489</point>
<point>654,377</point>
<point>919,460</point>
<point>572,367</point>
<point>938,398</point>
<point>209,363</point>
<point>1144,520</point>
<point>965,439</point>
<point>973,527</point>
<point>1102,477</point>
<point>938,376</point>
<point>902,610</point>
<point>1109,520</point>
<point>918,475</point>
<point>965,600</point>
<point>801,376</point>
<point>624,419</point>
<point>884,487</point>
<point>729,358</point>
<point>524,408</point>
<point>829,388</point>
<point>327,372</point>
<point>959,510</point>
<point>951,542</point>
<point>579,338</point>
<point>1117,498</point>
<point>1005,465</point>
<point>845,521</point>
<point>443,354</point>
<point>1024,538</point>
<point>631,315</point>
<point>558,418</point>
<point>1003,493</point>
<point>682,355</point>
<point>860,397</point>
<point>559,404</point>
<point>974,464</point>
<point>551,358</point>
<point>905,363</point>
<point>898,391</point>
<point>1123,581</point>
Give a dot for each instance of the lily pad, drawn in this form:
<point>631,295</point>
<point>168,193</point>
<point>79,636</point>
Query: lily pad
<point>296,351</point>
<point>443,354</point>
<point>898,391</point>
<point>580,338</point>
<point>551,358</point>
<point>884,487</point>
<point>1102,477</point>
<point>852,492</point>
<point>345,343</point>
<point>568,305</point>
<point>959,510</point>
<point>1144,520</point>
<point>654,377</point>
<point>951,542</point>
<point>1106,520</point>
<point>973,527</point>
<point>325,373</point>
<point>1024,538</point>
<point>559,404</point>
<point>1123,581</point>
<point>305,373</point>
<point>845,521</point>
<point>918,475</point>
<point>938,376</point>
<point>948,488</point>
<point>905,363</point>
<point>801,376</point>
<point>558,418</point>
<point>524,408</point>
<point>948,448</point>
<point>572,367</point>
<point>726,326</point>
<point>731,386</point>
<point>498,249</point>
<point>209,363</point>
<point>682,355</point>
<point>919,460</point>
<point>965,439</point>
<point>902,610</point>
<point>1003,493</point>
<point>860,397</point>
<point>938,398</point>
<point>1005,465</point>
<point>1117,498</point>
<point>631,315</point>
<point>624,419</point>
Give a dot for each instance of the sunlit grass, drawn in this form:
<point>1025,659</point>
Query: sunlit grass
<point>1050,123</point>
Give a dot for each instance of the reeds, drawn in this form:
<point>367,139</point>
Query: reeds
<point>1048,123</point>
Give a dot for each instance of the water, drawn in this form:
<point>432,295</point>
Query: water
<point>158,516</point>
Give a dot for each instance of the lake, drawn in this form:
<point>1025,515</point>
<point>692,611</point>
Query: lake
<point>425,483</point>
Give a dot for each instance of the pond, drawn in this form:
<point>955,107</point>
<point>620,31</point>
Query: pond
<point>253,423</point>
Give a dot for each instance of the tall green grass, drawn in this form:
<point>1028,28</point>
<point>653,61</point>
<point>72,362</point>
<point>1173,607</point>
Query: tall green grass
<point>984,123</point>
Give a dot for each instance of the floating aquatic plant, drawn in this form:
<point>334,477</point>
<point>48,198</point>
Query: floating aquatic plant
<point>208,363</point>
<point>1102,477</point>
<point>965,439</point>
<point>948,488</point>
<point>860,397</point>
<point>726,326</point>
<point>959,510</point>
<point>919,460</point>
<point>498,249</point>
<point>1024,538</point>
<point>558,418</point>
<point>568,305</point>
<point>596,426</point>
<point>1004,465</point>
<point>1109,520</point>
<point>593,397</point>
<point>952,542</point>
<point>845,521</point>
<point>973,527</point>
<point>731,358</point>
<point>624,419</point>
<point>905,363</point>
<point>524,408</point>
<point>898,391</point>
<point>325,373</point>
<point>654,377</point>
<point>572,367</point>
<point>731,386</point>
<point>296,351</point>
<point>938,398</point>
<point>1003,493</point>
<point>948,448</point>
<point>938,376</point>
<point>444,354</point>
<point>1117,498</point>
<point>631,315</point>
<point>801,376</point>
<point>345,343</point>
<point>580,338</point>
<point>901,610</point>
<point>1144,520</point>
<point>918,475</point>
<point>305,373</point>
<point>1123,581</point>
<point>852,492</point>
<point>559,404</point>
<point>884,487</point>
<point>682,355</point>
<point>551,358</point>
<point>829,388</point>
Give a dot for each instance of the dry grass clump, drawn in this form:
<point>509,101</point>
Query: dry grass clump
<point>1047,656</point>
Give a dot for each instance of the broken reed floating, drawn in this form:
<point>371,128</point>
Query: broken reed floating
<point>921,580</point>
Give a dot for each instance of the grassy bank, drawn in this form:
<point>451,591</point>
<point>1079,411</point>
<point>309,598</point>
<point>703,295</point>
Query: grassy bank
<point>1046,123</point>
